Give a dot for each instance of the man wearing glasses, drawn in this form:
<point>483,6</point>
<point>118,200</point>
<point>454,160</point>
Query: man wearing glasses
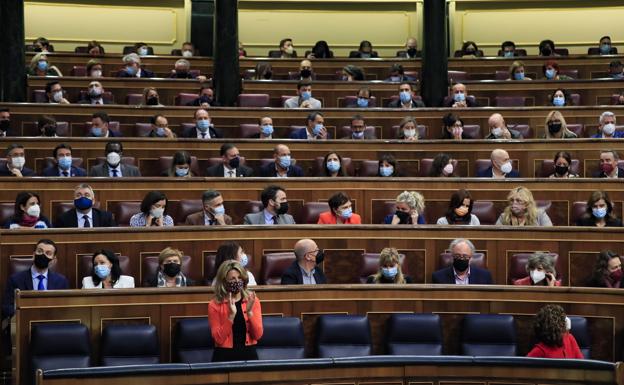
<point>304,270</point>
<point>460,272</point>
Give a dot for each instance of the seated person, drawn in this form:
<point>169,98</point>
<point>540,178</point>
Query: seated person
<point>15,161</point>
<point>541,269</point>
<point>182,70</point>
<point>112,166</point>
<point>94,94</point>
<point>150,98</point>
<point>263,71</point>
<point>203,129</point>
<point>408,129</point>
<point>41,44</point>
<point>304,98</point>
<point>358,129</point>
<point>286,48</point>
<point>607,271</point>
<point>501,166</point>
<point>180,166</point>
<point>363,99</point>
<point>94,68</point>
<point>605,47</point>
<point>84,215</point>
<point>213,213</point>
<point>206,97</point>
<point>552,330</point>
<point>389,269</point>
<point>616,70</point>
<point>306,73</point>
<point>54,93</point>
<point>407,98</point>
<point>397,74</point>
<point>388,166</point>
<point>133,69</point>
<point>160,127</point>
<point>62,155</point>
<point>352,73</point>
<point>606,128</point>
<point>266,129</point>
<point>231,166</point>
<point>314,129</point>
<point>459,211</point>
<point>40,66</point>
<point>563,160</point>
<point>169,272</point>
<point>460,98</point>
<point>609,169</point>
<point>365,51</point>
<point>231,250</point>
<point>188,49</point>
<point>27,213</point>
<point>599,212</point>
<point>340,211</point>
<point>550,70</point>
<point>152,213</point>
<point>106,273</point>
<point>282,166</point>
<point>522,210</point>
<point>453,127</point>
<point>94,48</point>
<point>470,49</point>
<point>275,209</point>
<point>560,98</point>
<point>411,49</point>
<point>6,128</point>
<point>47,126</point>
<point>499,129</point>
<point>556,127</point>
<point>508,49</point>
<point>320,51</point>
<point>442,166</point>
<point>547,48</point>
<point>332,165</point>
<point>304,270</point>
<point>410,206</point>
<point>460,272</point>
<point>100,122</point>
<point>516,71</point>
<point>142,49</point>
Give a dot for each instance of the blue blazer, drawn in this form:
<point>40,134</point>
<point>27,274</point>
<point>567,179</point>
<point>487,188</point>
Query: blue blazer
<point>299,134</point>
<point>487,173</point>
<point>23,281</point>
<point>54,171</point>
<point>478,276</point>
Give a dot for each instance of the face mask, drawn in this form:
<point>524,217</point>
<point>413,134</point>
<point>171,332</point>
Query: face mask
<point>386,171</point>
<point>157,213</point>
<point>305,95</point>
<point>234,162</point>
<point>160,131</point>
<point>102,271</point>
<point>96,131</point>
<point>267,130</point>
<point>558,101</point>
<point>96,74</point>
<point>448,169</point>
<point>403,216</point>
<point>171,269</point>
<point>550,73</point>
<point>561,170</point>
<point>219,210</point>
<point>607,168</point>
<point>389,272</point>
<point>57,96</point>
<point>320,256</point>
<point>42,65</point>
<point>409,133</point>
<point>333,166</point>
<point>357,135</point>
<point>395,78</point>
<point>460,264</point>
<point>113,158</point>
<point>283,208</point>
<point>599,212</point>
<point>537,276</point>
<point>34,211</point>
<point>142,51</point>
<point>608,129</point>
<point>519,75</point>
<point>459,97</point>
<point>181,171</point>
<point>605,49</point>
<point>546,51</point>
<point>346,213</point>
<point>244,260</point>
<point>616,275</point>
<point>289,50</point>
<point>41,261</point>
<point>18,162</point>
<point>405,96</point>
<point>305,73</point>
<point>65,162</point>
<point>553,127</point>
<point>284,161</point>
<point>49,130</point>
<point>152,101</point>
<point>83,203</point>
<point>234,286</point>
<point>506,167</point>
<point>469,51</point>
<point>132,71</point>
<point>517,209</point>
<point>508,54</point>
<point>461,211</point>
<point>203,125</point>
<point>317,129</point>
<point>5,125</point>
<point>362,102</point>
<point>95,92</point>
<point>182,74</point>
<point>497,132</point>
<point>205,99</point>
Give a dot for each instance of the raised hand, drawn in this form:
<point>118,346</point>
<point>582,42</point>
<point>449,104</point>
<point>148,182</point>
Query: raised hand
<point>231,307</point>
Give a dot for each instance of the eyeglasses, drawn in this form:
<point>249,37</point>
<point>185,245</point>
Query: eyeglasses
<point>461,256</point>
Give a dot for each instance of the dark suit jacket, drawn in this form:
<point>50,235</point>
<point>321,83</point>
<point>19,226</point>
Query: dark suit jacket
<point>54,171</point>
<point>366,136</point>
<point>477,276</point>
<point>197,103</point>
<point>88,101</point>
<point>217,171</point>
<point>470,102</point>
<point>4,171</point>
<point>293,275</point>
<point>301,133</point>
<point>191,132</point>
<point>591,221</point>
<point>102,170</point>
<point>601,174</point>
<point>197,219</point>
<point>358,54</point>
<point>144,74</point>
<point>487,173</point>
<point>111,134</point>
<point>269,171</point>
<point>153,281</point>
<point>415,103</point>
<point>23,281</point>
<point>405,55</point>
<point>100,219</point>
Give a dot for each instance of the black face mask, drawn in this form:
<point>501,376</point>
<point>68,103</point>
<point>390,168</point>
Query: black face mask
<point>320,257</point>
<point>49,131</point>
<point>171,269</point>
<point>205,99</point>
<point>553,127</point>
<point>268,75</point>
<point>283,208</point>
<point>305,73</point>
<point>546,51</point>
<point>152,101</point>
<point>460,264</point>
<point>411,51</point>
<point>561,170</point>
<point>182,74</point>
<point>403,217</point>
<point>5,124</point>
<point>234,162</point>
<point>41,261</point>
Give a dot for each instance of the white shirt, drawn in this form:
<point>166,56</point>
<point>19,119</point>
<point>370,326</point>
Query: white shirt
<point>229,172</point>
<point>615,176</point>
<point>199,133</point>
<point>97,101</point>
<point>124,282</point>
<point>268,218</point>
<point>81,220</point>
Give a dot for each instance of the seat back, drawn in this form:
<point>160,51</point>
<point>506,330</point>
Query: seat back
<point>457,76</point>
<point>184,98</point>
<point>273,267</point>
<point>123,210</point>
<point>510,101</point>
<point>193,341</point>
<point>78,71</point>
<point>129,345</point>
<point>312,210</point>
<point>548,167</point>
<point>414,334</point>
<point>253,100</point>
<point>562,51</point>
<point>210,270</point>
<point>580,331</point>
<point>577,128</point>
<point>59,346</point>
<point>249,129</point>
<point>142,129</point>
<point>446,259</point>
<point>133,99</point>
<point>524,129</point>
<point>472,131</point>
<point>578,210</point>
<point>369,168</point>
<point>7,209</point>
<point>282,339</point>
<point>187,207</point>
<point>339,335</point>
<point>488,335</point>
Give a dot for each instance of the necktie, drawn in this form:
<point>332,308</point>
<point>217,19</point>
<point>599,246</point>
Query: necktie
<point>275,219</point>
<point>40,286</point>
<point>65,173</point>
<point>86,221</point>
<point>231,173</point>
<point>203,135</point>
<point>114,173</point>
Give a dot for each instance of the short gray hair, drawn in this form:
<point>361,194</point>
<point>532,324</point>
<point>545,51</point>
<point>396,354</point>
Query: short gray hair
<point>458,241</point>
<point>547,262</point>
<point>84,185</point>
<point>131,58</point>
<point>183,62</point>
<point>606,114</point>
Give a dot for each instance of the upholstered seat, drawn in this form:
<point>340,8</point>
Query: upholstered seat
<point>414,334</point>
<point>339,335</point>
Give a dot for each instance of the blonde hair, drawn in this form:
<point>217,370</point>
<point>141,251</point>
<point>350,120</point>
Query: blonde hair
<point>169,252</point>
<point>531,211</point>
<point>564,127</point>
<point>513,67</point>
<point>221,292</point>
<point>147,90</point>
<point>413,199</point>
<point>406,120</point>
<point>35,59</point>
<point>389,256</point>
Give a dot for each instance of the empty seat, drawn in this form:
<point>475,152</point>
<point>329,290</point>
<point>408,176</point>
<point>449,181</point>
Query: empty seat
<point>339,335</point>
<point>85,266</point>
<point>578,129</point>
<point>130,345</point>
<point>580,331</point>
<point>78,71</point>
<point>501,75</point>
<point>485,211</point>
<point>562,51</point>
<point>210,270</point>
<point>574,74</point>
<point>253,100</point>
<point>524,129</point>
<point>472,131</point>
<point>312,211</point>
<point>124,210</point>
<point>596,51</point>
<point>578,210</point>
<point>414,334</point>
<point>282,339</point>
<point>193,341</point>
<point>134,99</point>
<point>187,207</point>
<point>369,168</point>
<point>510,101</point>
<point>248,130</point>
<point>7,209</point>
<point>488,335</point>
<point>183,98</point>
<point>455,76</point>
<point>59,346</point>
<point>274,265</point>
<point>142,129</point>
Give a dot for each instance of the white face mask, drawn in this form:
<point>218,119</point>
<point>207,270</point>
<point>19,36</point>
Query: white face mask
<point>537,275</point>
<point>18,162</point>
<point>497,132</point>
<point>409,133</point>
<point>506,167</point>
<point>448,169</point>
<point>608,128</point>
<point>568,324</point>
<point>187,53</point>
<point>57,96</point>
<point>113,158</point>
<point>96,74</point>
<point>157,213</point>
<point>34,211</point>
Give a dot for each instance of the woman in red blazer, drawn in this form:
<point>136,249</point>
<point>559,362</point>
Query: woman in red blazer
<point>555,341</point>
<point>235,315</point>
<point>541,269</point>
<point>340,212</point>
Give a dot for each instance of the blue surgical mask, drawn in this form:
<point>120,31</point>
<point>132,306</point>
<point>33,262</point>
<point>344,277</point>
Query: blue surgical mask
<point>131,70</point>
<point>357,135</point>
<point>346,213</point>
<point>405,96</point>
<point>550,73</point>
<point>96,131</point>
<point>558,101</point>
<point>459,97</point>
<point>305,95</point>
<point>519,76</point>
<point>42,65</point>
<point>333,165</point>
<point>203,125</point>
<point>219,210</point>
<point>65,162</point>
<point>317,129</point>
<point>102,271</point>
<point>160,131</point>
<point>83,203</point>
<point>386,171</point>
<point>600,212</point>
<point>362,102</point>
<point>267,130</point>
<point>605,49</point>
<point>389,272</point>
<point>181,171</point>
<point>508,54</point>
<point>244,260</point>
<point>284,161</point>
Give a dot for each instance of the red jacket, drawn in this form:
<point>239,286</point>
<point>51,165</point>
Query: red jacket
<point>570,349</point>
<point>221,326</point>
<point>526,281</point>
<point>328,218</point>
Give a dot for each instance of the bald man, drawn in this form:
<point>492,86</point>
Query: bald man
<point>304,270</point>
<point>501,166</point>
<point>282,166</point>
<point>411,49</point>
<point>459,98</point>
<point>499,130</point>
<point>305,70</point>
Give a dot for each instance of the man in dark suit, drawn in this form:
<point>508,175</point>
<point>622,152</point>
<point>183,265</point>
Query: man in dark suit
<point>62,154</point>
<point>133,68</point>
<point>411,49</point>
<point>499,129</point>
<point>314,129</point>
<point>230,167</point>
<point>358,129</point>
<point>112,166</point>
<point>501,166</point>
<point>213,212</point>
<point>407,98</point>
<point>203,129</point>
<point>100,122</point>
<point>37,277</point>
<point>205,98</point>
<point>281,166</point>
<point>94,95</point>
<point>609,165</point>
<point>84,215</point>
<point>275,209</point>
<point>304,270</point>
<point>460,272</point>
<point>363,99</point>
<point>5,123</point>
<point>15,161</point>
<point>459,98</point>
